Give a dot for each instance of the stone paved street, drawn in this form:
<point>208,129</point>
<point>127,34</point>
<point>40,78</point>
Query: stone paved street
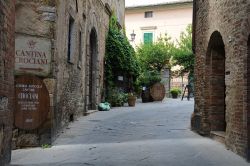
<point>151,134</point>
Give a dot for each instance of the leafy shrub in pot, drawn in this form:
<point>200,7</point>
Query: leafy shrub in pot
<point>116,97</point>
<point>175,92</point>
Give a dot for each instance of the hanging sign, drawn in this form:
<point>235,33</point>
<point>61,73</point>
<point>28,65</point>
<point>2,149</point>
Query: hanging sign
<point>31,102</point>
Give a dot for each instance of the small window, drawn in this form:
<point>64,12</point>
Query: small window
<point>76,6</point>
<point>70,39</point>
<point>148,38</point>
<point>80,50</point>
<point>148,14</point>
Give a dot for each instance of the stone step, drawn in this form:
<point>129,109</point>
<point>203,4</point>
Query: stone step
<point>90,112</point>
<point>218,136</point>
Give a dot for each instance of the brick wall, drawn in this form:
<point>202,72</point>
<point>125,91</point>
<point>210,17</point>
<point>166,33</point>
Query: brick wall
<point>230,19</point>
<point>7,19</point>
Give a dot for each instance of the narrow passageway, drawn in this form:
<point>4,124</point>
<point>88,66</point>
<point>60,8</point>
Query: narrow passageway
<point>151,134</point>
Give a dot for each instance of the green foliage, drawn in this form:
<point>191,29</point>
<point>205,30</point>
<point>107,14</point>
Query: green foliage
<point>148,78</point>
<point>113,23</point>
<point>152,59</point>
<point>155,56</point>
<point>116,97</point>
<point>120,55</point>
<point>175,91</point>
<point>130,95</point>
<point>183,54</point>
<point>45,146</point>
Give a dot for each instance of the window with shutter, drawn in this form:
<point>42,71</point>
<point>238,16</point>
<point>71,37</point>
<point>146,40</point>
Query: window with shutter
<point>148,38</point>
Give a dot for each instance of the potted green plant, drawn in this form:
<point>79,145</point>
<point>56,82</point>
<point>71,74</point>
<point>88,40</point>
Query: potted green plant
<point>116,97</point>
<point>131,99</point>
<point>175,92</point>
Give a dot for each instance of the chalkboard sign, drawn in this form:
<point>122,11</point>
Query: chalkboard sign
<point>31,102</point>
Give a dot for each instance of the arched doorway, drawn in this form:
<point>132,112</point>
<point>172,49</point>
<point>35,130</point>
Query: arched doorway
<point>248,98</point>
<point>93,54</point>
<point>215,80</point>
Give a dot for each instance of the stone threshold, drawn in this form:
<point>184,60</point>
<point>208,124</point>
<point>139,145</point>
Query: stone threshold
<point>90,112</point>
<point>218,136</point>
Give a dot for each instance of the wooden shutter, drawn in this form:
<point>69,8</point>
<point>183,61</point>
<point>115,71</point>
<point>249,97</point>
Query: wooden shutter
<point>148,38</point>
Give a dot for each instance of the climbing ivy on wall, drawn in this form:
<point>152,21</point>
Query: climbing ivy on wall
<point>120,55</point>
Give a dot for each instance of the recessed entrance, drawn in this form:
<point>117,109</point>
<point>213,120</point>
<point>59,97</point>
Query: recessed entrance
<point>92,70</point>
<point>215,77</point>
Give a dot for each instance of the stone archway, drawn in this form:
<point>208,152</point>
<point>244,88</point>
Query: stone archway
<point>215,81</point>
<point>248,98</point>
<point>92,81</point>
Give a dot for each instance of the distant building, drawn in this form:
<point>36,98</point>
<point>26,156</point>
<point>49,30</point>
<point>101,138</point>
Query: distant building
<point>149,20</point>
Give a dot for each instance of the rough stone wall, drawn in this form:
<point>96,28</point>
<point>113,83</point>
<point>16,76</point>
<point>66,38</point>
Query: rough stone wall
<point>72,86</point>
<point>36,19</point>
<point>69,100</point>
<point>68,24</point>
<point>98,19</point>
<point>118,6</point>
<point>7,20</point>
<point>231,20</point>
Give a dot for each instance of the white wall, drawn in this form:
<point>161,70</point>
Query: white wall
<point>166,19</point>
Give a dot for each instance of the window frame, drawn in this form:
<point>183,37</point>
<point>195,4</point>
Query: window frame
<point>71,27</point>
<point>148,32</point>
<point>80,49</point>
<point>148,14</point>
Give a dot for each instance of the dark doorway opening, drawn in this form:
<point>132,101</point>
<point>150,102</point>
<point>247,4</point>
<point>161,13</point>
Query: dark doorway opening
<point>215,71</point>
<point>71,118</point>
<point>92,70</point>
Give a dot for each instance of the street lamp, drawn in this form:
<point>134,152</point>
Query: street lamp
<point>133,36</point>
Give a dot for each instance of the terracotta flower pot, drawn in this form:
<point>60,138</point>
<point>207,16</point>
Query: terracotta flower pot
<point>131,101</point>
<point>174,95</point>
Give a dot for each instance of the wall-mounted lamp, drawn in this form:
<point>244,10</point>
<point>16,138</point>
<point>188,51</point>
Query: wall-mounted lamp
<point>133,36</point>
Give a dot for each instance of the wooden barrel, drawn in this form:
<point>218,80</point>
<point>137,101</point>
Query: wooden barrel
<point>146,97</point>
<point>158,92</point>
<point>32,102</point>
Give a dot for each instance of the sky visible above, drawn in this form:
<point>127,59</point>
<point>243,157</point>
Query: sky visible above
<point>131,3</point>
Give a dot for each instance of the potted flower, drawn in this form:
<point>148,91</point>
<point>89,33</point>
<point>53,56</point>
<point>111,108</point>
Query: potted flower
<point>131,99</point>
<point>175,92</point>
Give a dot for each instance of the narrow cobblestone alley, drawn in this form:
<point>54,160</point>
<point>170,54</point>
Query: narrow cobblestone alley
<point>151,134</point>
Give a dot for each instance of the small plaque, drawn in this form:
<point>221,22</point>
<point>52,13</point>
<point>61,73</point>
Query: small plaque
<point>120,78</point>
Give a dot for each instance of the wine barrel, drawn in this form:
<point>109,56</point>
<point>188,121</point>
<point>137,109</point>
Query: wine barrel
<point>157,91</point>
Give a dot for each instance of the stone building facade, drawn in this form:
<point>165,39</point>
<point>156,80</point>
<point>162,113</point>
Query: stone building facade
<point>7,17</point>
<point>72,33</point>
<point>222,72</point>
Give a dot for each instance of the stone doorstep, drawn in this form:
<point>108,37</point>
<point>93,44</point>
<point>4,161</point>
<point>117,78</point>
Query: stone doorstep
<point>90,112</point>
<point>218,136</point>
